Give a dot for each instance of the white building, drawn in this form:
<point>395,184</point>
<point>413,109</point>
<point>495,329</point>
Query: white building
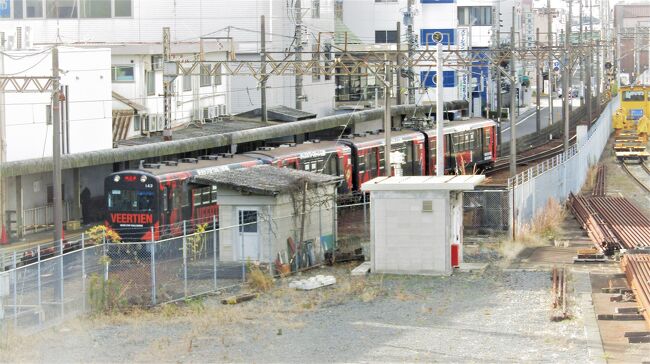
<point>86,120</point>
<point>452,19</point>
<point>132,29</point>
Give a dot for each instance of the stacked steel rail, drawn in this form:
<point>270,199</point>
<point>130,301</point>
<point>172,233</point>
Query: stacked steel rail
<point>637,271</point>
<point>628,223</point>
<point>599,183</point>
<point>598,230</point>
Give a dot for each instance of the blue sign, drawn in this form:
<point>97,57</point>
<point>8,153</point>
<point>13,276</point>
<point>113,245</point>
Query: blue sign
<point>636,114</point>
<point>427,38</point>
<point>428,78</point>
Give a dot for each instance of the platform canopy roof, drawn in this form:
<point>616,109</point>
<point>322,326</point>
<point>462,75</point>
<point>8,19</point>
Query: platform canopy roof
<point>423,183</point>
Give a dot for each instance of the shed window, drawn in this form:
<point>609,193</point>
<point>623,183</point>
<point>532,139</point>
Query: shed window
<point>248,221</point>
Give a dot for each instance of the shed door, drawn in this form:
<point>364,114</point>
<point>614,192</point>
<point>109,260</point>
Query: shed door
<point>248,242</point>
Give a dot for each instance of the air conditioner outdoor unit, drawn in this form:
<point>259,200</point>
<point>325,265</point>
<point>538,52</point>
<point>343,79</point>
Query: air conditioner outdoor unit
<point>214,112</point>
<point>205,113</point>
<point>160,122</point>
<point>222,110</point>
<point>155,122</point>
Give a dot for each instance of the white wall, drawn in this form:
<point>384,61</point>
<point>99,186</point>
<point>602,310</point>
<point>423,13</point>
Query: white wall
<point>87,74</point>
<point>407,240</point>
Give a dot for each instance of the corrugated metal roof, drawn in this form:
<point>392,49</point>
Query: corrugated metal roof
<point>267,180</point>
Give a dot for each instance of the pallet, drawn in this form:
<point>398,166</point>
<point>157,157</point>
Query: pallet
<point>632,156</point>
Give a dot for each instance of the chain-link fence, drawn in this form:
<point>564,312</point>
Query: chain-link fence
<point>486,212</point>
<point>40,287</point>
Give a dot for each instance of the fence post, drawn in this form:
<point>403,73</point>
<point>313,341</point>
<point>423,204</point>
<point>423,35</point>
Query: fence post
<point>105,257</point>
<point>61,281</point>
<point>153,268</point>
<point>214,250</point>
<point>15,290</point>
<point>185,257</point>
<point>83,270</point>
<point>243,260</point>
<point>38,279</point>
<point>270,242</point>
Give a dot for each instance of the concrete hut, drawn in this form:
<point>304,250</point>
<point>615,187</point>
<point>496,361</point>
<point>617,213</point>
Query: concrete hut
<point>261,214</point>
<point>416,223</point>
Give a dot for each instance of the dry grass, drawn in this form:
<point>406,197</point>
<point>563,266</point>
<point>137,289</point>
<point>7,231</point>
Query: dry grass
<point>258,280</point>
<point>590,180</point>
<point>546,224</point>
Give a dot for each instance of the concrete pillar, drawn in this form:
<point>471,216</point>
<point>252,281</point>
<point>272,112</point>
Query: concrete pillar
<point>581,134</point>
<point>75,209</point>
<point>19,207</point>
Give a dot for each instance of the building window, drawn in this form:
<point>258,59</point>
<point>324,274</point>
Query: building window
<point>136,123</point>
<point>328,62</point>
<point>481,15</point>
<point>61,9</point>
<point>150,76</point>
<point>187,82</point>
<point>385,36</point>
<point>123,74</point>
<point>385,1</point>
<point>33,8</point>
<point>217,76</point>
<point>315,9</point>
<point>205,75</point>
<point>123,8</point>
<point>95,8</point>
<point>5,9</point>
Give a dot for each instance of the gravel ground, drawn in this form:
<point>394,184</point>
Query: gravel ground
<point>494,316</point>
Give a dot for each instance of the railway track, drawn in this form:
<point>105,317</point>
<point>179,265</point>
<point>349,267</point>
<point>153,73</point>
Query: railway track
<point>637,173</point>
<point>504,163</point>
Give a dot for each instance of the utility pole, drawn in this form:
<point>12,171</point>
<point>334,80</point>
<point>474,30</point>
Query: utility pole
<point>298,49</point>
<point>56,149</point>
<point>598,68</point>
<point>440,135</point>
<point>582,63</point>
<point>588,98</point>
<point>549,37</point>
<point>513,100</point>
<point>411,44</point>
<point>398,64</point>
<point>167,97</point>
<point>539,81</point>
<point>498,95</point>
<point>388,83</point>
<point>565,79</point>
<point>470,93</point>
<point>265,117</point>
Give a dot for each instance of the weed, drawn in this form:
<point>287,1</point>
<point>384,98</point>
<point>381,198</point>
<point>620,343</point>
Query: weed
<point>259,280</point>
<point>196,305</point>
<point>106,295</point>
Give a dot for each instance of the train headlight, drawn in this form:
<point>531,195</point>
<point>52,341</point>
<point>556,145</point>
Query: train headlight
<point>116,178</point>
<point>143,179</point>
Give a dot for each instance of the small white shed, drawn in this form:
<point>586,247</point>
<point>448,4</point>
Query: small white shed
<point>261,207</point>
<point>417,223</point>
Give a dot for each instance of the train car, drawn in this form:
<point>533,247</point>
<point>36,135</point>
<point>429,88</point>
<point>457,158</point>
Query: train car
<point>159,196</point>
<point>635,100</point>
<point>328,157</point>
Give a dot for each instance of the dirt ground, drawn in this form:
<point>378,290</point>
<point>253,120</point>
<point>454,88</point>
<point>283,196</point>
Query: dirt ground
<point>488,316</point>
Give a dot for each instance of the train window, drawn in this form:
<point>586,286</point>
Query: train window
<point>292,165</point>
<point>339,170</point>
<point>633,96</point>
<point>362,163</point>
<point>486,138</point>
<point>214,194</point>
<point>331,164</point>
<point>196,193</point>
<point>381,162</point>
<point>409,151</point>
<point>131,200</point>
<point>373,160</point>
<point>177,197</point>
<point>205,200</point>
<point>472,136</point>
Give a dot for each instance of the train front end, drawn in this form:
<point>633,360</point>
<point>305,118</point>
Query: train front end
<point>133,205</point>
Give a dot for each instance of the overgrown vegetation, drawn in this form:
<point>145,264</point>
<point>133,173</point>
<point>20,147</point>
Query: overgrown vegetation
<point>106,295</point>
<point>196,242</point>
<point>96,234</point>
<point>546,224</point>
<point>259,280</point>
